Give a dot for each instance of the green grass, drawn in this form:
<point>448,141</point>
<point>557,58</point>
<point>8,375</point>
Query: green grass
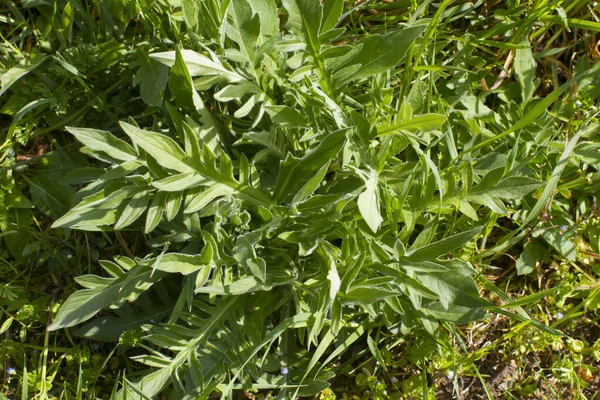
<point>392,199</point>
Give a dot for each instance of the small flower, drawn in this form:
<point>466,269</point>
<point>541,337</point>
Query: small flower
<point>394,379</point>
<point>153,321</point>
<point>284,371</point>
<point>450,375</point>
<point>563,228</point>
<point>559,315</point>
<point>95,346</point>
<point>577,103</point>
<point>11,371</point>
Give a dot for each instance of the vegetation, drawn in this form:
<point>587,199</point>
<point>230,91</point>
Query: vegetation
<point>272,199</point>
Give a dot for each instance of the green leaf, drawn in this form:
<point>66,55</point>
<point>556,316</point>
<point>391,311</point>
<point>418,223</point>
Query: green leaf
<point>109,328</point>
<point>525,70</point>
<point>133,210</point>
<point>84,304</point>
<point>198,65</point>
<point>105,142</point>
<point>368,204</point>
<point>248,28</point>
<point>454,313</point>
<point>378,53</point>
<point>51,198</point>
<point>18,71</point>
<point>198,200</point>
<point>161,147</point>
<point>155,211</point>
<point>244,252</point>
<point>375,352</point>
<point>152,78</point>
<point>294,172</point>
<point>304,20</point>
<point>178,263</point>
<point>515,187</point>
<point>424,123</point>
<point>548,192</point>
<point>332,12</point>
<point>180,82</point>
<point>179,182</point>
<point>434,250</point>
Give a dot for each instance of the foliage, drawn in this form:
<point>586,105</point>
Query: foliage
<point>275,192</point>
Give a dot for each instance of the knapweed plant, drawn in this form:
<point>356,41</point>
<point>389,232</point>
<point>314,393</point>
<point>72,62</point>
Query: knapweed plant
<point>307,186</point>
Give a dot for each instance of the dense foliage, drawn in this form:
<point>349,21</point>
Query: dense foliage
<point>273,194</point>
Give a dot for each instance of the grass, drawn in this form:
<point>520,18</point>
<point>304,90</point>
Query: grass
<point>500,133</point>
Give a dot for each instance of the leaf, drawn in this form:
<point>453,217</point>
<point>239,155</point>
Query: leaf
<point>198,65</point>
<point>267,12</point>
<point>515,187</point>
<point>105,142</point>
<point>424,123</point>
<point>197,201</point>
<point>161,147</point>
<point>178,263</point>
<point>304,19</point>
<point>554,178</point>
<point>294,172</point>
<point>378,53</point>
<point>533,253</point>
<point>109,328</point>
<point>84,304</point>
<point>180,82</point>
<point>51,198</point>
<point>434,250</point>
<point>151,77</point>
<point>368,204</point>
<point>155,211</point>
<point>248,28</point>
<point>375,352</point>
<point>525,70</point>
<point>18,71</point>
<point>133,210</point>
<point>179,182</point>
<point>332,12</point>
<point>455,314</point>
<point>452,289</point>
<point>244,252</point>
<point>190,12</point>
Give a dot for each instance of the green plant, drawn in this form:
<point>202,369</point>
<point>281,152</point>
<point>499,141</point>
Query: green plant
<point>313,186</point>
<point>282,211</point>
